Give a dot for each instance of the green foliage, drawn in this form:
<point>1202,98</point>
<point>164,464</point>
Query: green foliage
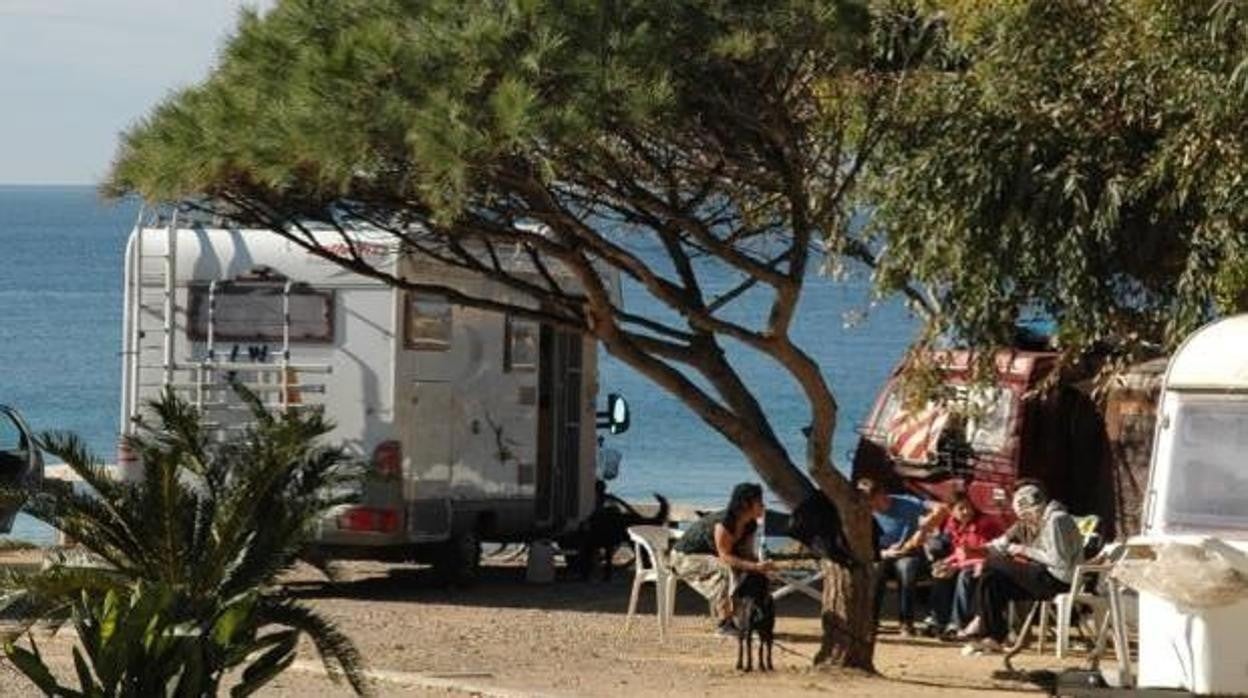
<point>189,555</point>
<point>419,104</point>
<point>1084,161</point>
<point>137,642</point>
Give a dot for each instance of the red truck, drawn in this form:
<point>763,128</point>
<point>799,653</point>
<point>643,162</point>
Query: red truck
<point>982,437</point>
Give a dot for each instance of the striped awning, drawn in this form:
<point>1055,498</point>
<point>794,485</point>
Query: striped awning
<point>913,434</point>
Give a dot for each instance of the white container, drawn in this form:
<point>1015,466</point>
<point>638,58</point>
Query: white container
<point>1205,652</point>
<point>541,564</point>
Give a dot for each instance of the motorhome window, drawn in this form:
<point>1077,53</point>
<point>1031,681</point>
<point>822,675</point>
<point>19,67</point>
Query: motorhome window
<point>428,322</point>
<point>520,347</point>
<point>254,312</point>
<point>1208,482</point>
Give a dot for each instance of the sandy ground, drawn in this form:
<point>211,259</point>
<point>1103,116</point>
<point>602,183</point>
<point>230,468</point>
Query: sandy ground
<point>506,638</point>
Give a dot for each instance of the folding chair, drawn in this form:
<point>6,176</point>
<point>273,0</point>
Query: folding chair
<point>792,580</point>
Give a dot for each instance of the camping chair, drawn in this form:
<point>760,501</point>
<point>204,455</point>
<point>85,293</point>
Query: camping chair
<point>655,542</point>
<point>805,580</point>
<point>1043,610</point>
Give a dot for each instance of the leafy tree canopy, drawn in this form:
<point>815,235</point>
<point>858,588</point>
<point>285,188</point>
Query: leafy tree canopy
<point>1080,160</point>
<point>722,129</point>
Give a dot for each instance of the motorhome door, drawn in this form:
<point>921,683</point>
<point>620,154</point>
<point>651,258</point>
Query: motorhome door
<point>559,427</point>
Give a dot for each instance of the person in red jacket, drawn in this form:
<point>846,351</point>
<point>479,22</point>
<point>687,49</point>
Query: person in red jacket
<point>967,532</point>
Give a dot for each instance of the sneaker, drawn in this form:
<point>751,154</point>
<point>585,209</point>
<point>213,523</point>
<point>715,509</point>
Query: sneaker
<point>971,631</point>
<point>990,646</point>
<point>981,647</point>
<point>726,628</point>
<point>907,630</point>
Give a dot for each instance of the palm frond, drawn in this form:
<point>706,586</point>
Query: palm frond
<point>338,653</point>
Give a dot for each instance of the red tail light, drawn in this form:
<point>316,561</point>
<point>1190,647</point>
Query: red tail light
<point>388,459</point>
<point>369,519</point>
<point>128,464</point>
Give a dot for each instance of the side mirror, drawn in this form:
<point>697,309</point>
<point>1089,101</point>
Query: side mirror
<point>21,465</point>
<point>616,419</point>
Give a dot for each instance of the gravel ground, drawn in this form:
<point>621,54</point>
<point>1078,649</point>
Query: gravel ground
<point>506,638</point>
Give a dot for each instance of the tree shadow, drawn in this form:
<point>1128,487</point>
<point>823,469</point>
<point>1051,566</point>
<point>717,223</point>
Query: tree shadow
<point>504,586</point>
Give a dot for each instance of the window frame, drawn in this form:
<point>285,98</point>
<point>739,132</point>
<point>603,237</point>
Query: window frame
<point>510,365</point>
<point>427,343</point>
<point>197,321</point>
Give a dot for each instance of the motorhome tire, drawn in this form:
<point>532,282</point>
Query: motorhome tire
<point>459,559</point>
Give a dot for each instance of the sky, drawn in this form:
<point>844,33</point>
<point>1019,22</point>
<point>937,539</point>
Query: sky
<point>75,73</point>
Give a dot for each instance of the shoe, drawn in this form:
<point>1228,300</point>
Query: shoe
<point>907,630</point>
<point>971,631</point>
<point>990,646</point>
<point>949,634</point>
<point>981,647</point>
<point>726,628</point>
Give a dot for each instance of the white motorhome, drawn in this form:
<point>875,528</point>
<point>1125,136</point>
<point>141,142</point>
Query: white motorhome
<point>476,425</point>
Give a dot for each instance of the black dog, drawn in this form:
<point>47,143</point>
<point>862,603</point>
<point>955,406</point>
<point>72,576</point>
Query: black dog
<point>816,522</point>
<point>607,529</point>
<point>754,612</point>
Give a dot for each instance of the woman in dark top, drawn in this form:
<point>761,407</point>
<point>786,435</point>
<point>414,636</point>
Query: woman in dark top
<point>716,545</point>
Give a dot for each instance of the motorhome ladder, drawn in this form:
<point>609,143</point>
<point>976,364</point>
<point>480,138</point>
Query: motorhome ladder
<point>155,274</point>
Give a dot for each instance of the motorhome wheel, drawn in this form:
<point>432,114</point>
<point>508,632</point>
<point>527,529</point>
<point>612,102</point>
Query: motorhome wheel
<point>459,559</point>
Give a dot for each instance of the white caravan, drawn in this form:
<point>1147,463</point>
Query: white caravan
<point>1198,496</point>
<point>476,425</point>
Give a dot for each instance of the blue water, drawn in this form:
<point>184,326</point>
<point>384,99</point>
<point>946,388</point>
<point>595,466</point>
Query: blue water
<point>60,336</point>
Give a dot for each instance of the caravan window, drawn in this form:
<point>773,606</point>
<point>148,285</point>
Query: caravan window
<point>1208,481</point>
<point>428,322</point>
<point>255,312</point>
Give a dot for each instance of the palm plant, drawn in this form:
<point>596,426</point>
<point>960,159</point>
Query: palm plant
<point>208,529</point>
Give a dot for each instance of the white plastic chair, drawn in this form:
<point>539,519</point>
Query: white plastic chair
<point>655,541</point>
<point>1087,577</point>
<point>1060,607</point>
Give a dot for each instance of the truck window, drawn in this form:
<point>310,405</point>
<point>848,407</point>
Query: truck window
<point>1208,483</point>
<point>254,312</point>
<point>427,323</point>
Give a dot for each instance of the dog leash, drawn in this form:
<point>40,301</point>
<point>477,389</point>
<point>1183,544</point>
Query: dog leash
<point>793,652</point>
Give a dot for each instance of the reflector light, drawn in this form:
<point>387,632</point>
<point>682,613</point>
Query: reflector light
<point>369,519</point>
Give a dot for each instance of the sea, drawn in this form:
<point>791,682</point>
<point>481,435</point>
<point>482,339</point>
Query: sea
<point>61,253</point>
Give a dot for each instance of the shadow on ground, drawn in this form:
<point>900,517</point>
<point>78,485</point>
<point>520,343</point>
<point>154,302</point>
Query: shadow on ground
<point>500,586</point>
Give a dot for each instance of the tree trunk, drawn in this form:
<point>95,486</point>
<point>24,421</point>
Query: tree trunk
<point>848,606</point>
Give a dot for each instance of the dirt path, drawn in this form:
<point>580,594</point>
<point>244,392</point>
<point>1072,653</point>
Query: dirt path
<point>506,638</point>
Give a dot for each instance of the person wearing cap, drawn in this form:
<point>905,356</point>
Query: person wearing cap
<point>1036,565</point>
<point>902,524</point>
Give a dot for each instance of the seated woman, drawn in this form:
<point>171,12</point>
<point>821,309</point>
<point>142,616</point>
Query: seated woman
<point>968,532</point>
<point>719,543</point>
<point>1037,566</point>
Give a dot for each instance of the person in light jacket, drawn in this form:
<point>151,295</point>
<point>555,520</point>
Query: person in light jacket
<point>1037,567</point>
